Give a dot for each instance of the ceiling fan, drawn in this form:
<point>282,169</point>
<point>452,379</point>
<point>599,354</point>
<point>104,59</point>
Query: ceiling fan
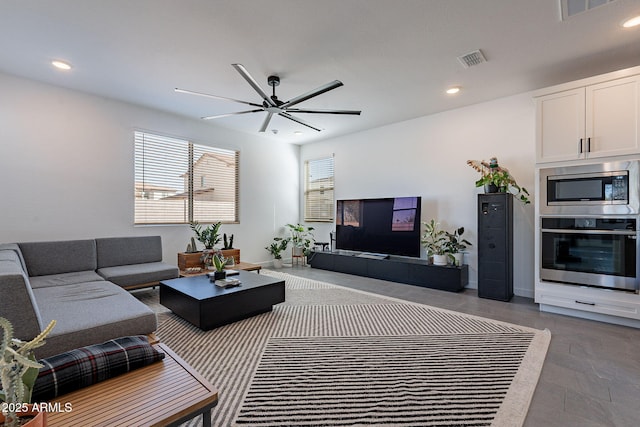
<point>271,104</point>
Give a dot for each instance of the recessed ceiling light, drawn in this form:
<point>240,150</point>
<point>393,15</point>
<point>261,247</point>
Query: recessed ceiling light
<point>632,22</point>
<point>297,133</point>
<point>453,90</point>
<point>61,65</point>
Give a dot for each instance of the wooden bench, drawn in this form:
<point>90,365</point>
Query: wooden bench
<point>166,393</point>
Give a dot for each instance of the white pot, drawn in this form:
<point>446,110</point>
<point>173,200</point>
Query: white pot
<point>277,263</point>
<point>440,259</point>
<point>457,258</point>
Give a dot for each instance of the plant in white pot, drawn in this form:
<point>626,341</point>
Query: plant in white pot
<point>456,244</point>
<point>276,248</point>
<point>435,242</point>
<point>18,373</point>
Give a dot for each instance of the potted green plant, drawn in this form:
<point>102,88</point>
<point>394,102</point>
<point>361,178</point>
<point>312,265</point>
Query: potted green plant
<point>435,242</point>
<point>456,244</point>
<point>494,178</point>
<point>18,373</point>
<point>232,255</point>
<point>276,248</point>
<point>301,239</point>
<point>219,262</point>
<point>209,236</point>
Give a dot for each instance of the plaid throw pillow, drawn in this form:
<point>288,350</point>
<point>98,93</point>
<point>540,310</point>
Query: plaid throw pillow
<point>82,367</point>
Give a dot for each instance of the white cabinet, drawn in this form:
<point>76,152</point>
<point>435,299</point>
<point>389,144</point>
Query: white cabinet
<point>593,300</point>
<point>598,120</point>
<point>560,119</point>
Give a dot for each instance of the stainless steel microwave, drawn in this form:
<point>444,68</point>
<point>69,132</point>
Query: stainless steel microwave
<point>601,189</point>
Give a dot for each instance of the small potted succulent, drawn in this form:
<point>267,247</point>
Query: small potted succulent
<point>496,179</point>
<point>18,373</point>
<point>219,262</point>
<point>230,253</point>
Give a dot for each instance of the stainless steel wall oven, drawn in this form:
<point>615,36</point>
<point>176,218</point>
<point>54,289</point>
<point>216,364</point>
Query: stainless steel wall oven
<point>590,251</point>
<point>589,218</point>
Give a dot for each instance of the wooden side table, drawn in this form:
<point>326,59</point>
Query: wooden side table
<point>166,393</point>
<point>246,267</point>
<point>192,259</point>
<point>239,266</point>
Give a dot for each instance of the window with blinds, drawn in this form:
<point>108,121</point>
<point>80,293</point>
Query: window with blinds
<point>318,190</point>
<point>177,181</point>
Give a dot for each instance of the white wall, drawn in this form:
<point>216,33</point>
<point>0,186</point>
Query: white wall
<point>66,170</point>
<point>426,157</point>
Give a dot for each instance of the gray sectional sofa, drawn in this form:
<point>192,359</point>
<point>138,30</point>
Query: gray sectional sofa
<point>82,285</point>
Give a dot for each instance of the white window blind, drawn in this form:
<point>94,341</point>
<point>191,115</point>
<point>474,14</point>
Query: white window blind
<point>177,181</point>
<point>318,190</point>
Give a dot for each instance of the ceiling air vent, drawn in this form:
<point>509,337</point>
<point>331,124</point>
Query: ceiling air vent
<point>472,58</point>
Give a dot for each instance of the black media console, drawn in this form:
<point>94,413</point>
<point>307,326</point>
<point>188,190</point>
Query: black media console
<point>412,271</point>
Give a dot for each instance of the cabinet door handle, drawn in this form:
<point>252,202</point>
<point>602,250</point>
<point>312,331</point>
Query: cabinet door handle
<point>580,146</point>
<point>588,145</point>
<point>585,303</point>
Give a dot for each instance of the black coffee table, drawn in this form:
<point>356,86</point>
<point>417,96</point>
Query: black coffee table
<point>208,306</point>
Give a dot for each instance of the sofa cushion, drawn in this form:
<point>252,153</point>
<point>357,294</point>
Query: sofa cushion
<point>13,247</point>
<point>12,256</point>
<point>82,367</point>
<point>43,258</point>
<point>114,251</point>
<point>90,313</point>
<point>64,279</point>
<point>138,274</point>
<point>17,301</point>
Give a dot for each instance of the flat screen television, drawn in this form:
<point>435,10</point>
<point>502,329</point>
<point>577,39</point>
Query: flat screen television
<point>389,226</point>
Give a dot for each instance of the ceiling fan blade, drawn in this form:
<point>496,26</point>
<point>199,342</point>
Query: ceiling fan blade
<point>231,114</point>
<point>244,73</point>
<point>322,89</point>
<point>297,120</point>
<point>296,110</point>
<point>266,122</point>
<point>190,92</point>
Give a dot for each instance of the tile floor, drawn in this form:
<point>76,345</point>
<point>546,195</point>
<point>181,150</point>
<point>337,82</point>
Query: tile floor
<point>591,376</point>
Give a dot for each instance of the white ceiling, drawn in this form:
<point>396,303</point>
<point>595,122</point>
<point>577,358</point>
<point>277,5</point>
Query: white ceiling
<point>395,57</point>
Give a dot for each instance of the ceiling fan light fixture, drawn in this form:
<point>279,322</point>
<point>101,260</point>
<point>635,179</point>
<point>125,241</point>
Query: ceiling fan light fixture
<point>631,22</point>
<point>272,105</point>
<point>61,65</point>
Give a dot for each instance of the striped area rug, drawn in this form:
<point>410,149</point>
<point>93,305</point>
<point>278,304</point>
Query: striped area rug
<point>332,356</point>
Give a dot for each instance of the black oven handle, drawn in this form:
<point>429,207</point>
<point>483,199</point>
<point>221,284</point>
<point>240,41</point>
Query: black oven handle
<point>568,230</point>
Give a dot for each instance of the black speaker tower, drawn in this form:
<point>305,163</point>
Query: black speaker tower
<point>495,246</point>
